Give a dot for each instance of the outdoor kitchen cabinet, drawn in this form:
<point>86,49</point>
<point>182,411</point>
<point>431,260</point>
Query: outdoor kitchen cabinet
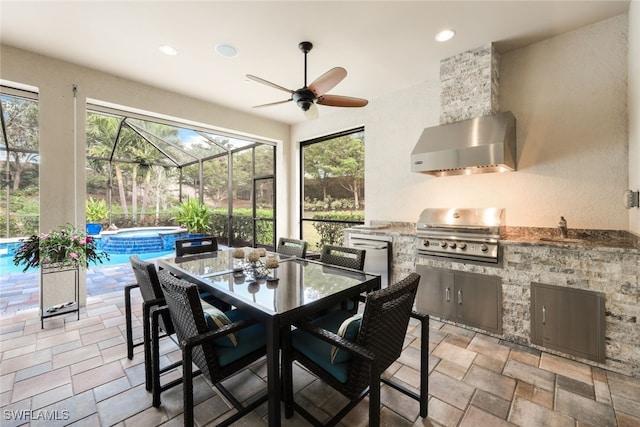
<point>468,298</point>
<point>568,320</point>
<point>435,292</point>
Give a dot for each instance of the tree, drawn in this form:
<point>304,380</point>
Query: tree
<point>349,153</point>
<point>160,189</point>
<point>132,152</point>
<point>217,183</point>
<point>21,122</point>
<point>102,131</point>
<point>242,174</point>
<point>316,159</point>
<point>145,155</point>
<point>340,159</point>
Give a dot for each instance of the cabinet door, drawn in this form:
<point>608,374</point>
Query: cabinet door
<point>479,301</point>
<point>568,320</point>
<point>436,292</point>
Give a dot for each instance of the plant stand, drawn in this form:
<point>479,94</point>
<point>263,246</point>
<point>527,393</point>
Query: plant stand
<point>73,306</point>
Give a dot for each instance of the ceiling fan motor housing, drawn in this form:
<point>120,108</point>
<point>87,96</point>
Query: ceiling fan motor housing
<point>304,98</point>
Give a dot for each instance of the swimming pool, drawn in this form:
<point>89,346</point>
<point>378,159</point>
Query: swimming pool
<point>140,240</point>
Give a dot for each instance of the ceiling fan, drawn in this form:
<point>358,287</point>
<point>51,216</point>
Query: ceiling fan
<point>308,96</point>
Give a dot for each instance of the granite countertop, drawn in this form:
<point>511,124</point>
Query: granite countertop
<point>390,229</point>
<point>596,239</point>
<point>605,239</point>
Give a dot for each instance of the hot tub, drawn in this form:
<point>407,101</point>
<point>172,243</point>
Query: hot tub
<point>140,240</point>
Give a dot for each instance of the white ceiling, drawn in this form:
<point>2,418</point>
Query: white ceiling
<point>384,45</point>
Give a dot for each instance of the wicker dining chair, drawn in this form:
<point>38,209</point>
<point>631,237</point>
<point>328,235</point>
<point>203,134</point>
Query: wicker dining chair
<point>152,297</point>
<point>147,281</point>
<point>293,247</point>
<point>196,245</point>
<point>208,347</point>
<point>353,363</point>
<point>342,256</point>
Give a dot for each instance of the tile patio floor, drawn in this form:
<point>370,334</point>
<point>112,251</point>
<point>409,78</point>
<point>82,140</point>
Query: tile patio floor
<point>78,371</point>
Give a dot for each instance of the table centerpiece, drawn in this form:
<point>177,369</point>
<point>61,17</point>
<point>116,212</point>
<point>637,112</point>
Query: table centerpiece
<point>253,264</point>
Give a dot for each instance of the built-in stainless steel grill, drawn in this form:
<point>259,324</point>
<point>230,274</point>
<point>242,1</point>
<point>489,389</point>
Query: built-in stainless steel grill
<point>465,234</point>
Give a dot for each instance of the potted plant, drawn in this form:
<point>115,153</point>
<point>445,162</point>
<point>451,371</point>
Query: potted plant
<point>97,213</point>
<point>63,247</point>
<point>194,216</point>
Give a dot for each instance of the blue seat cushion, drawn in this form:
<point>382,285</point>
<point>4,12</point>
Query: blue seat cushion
<point>319,351</point>
<point>249,339</point>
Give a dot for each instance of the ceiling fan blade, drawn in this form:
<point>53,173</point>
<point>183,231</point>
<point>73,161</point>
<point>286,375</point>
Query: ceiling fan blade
<point>312,112</point>
<point>268,83</point>
<point>272,103</point>
<point>341,101</point>
<point>327,81</point>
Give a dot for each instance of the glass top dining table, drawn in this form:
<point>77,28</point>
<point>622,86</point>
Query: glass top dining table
<point>294,290</point>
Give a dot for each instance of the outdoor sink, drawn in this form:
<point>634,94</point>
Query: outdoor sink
<point>562,240</point>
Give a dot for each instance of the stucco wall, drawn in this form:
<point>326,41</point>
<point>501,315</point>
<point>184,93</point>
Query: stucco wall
<point>568,94</point>
<point>634,110</point>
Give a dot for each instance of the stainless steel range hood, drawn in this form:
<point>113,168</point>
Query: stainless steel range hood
<point>478,145</point>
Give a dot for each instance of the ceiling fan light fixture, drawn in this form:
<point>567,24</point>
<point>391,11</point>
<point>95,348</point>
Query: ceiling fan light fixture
<point>168,50</point>
<point>445,35</point>
<point>312,113</point>
<point>226,50</point>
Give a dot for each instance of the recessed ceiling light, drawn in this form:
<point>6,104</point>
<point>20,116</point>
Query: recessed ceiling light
<point>168,50</point>
<point>226,50</point>
<point>445,35</point>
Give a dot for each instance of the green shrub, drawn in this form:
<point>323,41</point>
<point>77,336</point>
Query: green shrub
<point>331,233</point>
<point>25,213</point>
<point>194,216</point>
<point>96,211</point>
<point>329,203</point>
<point>243,226</point>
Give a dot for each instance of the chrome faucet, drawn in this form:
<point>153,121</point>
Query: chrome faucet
<point>562,225</point>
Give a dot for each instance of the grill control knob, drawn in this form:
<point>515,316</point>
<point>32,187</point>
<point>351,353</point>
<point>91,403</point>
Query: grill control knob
<point>425,243</point>
<point>452,245</point>
<point>443,244</point>
<point>484,247</point>
<point>462,245</point>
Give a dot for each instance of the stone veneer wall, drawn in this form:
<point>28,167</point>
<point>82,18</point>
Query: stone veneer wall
<point>469,84</point>
<point>612,271</point>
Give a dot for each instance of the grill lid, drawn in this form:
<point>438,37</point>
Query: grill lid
<point>461,234</point>
<point>481,221</point>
